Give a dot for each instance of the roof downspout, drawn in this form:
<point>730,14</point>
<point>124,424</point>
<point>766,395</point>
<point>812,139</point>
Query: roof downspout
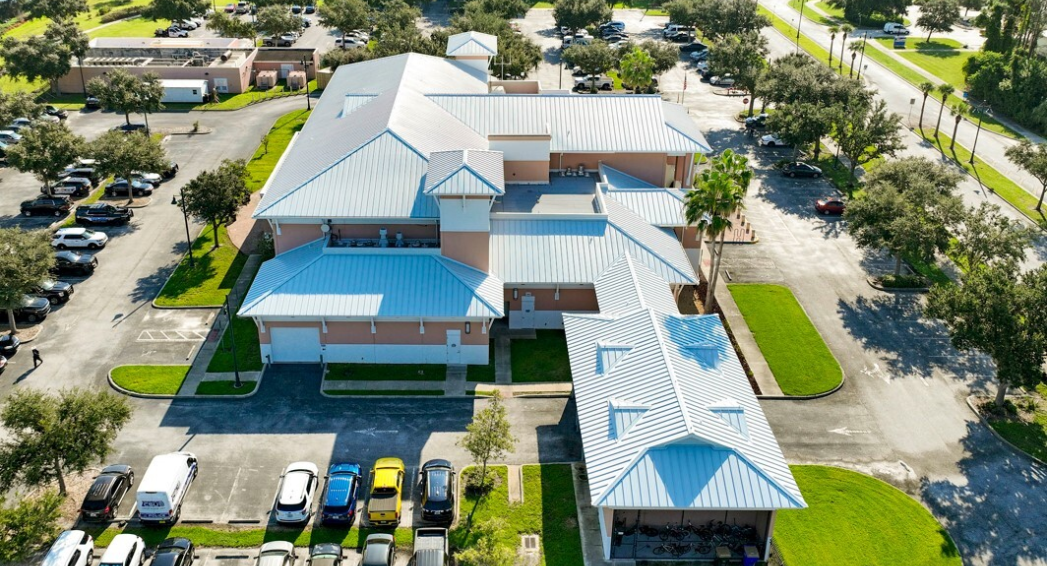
<point>421,326</point>
<point>373,329</point>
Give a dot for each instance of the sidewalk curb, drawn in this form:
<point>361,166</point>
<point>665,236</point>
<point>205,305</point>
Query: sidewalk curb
<point>984,422</point>
<point>129,393</point>
<point>843,380</point>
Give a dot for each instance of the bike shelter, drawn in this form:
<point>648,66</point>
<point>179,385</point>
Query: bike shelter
<point>629,542</point>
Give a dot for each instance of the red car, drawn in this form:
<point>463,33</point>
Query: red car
<point>230,8</point>
<point>830,205</point>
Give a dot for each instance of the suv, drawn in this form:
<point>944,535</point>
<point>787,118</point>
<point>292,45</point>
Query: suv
<point>894,28</point>
<point>294,501</point>
<point>124,550</point>
<point>338,504</point>
<point>75,263</point>
<point>66,238</point>
<point>170,171</point>
<point>106,493</point>
<point>56,112</point>
<point>32,309</point>
<point>438,489</point>
<point>71,186</point>
<point>378,550</point>
<point>100,213</point>
<point>54,291</point>
<point>53,206</point>
<point>175,551</point>
<point>119,188</point>
<point>71,548</point>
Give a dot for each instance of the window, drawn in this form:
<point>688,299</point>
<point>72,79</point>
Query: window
<point>195,92</point>
<point>221,85</point>
<point>74,558</point>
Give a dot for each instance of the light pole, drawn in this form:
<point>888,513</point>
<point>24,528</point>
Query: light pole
<point>185,216</point>
<point>232,339</point>
<point>980,109</point>
<point>798,25</point>
<point>861,62</point>
<point>305,68</point>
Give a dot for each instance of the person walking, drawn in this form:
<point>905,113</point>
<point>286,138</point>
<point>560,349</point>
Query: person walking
<point>37,360</point>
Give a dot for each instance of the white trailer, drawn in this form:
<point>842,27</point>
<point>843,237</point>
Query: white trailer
<point>185,90</point>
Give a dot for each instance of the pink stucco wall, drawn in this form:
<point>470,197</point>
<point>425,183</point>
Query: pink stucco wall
<point>545,299</point>
<point>387,332</point>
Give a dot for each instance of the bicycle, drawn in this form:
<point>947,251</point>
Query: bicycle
<point>673,531</point>
<point>676,549</point>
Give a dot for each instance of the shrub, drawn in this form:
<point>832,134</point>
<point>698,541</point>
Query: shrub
<point>122,13</point>
<point>472,478</point>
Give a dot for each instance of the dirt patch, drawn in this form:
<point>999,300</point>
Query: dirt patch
<point>25,333</point>
<point>76,486</point>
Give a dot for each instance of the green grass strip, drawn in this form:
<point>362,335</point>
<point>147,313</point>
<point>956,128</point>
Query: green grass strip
<point>265,157</point>
<point>151,380</point>
<point>806,43</point>
<point>225,387</point>
<point>1028,435</point>
<point>798,357</point>
<point>379,392</point>
<point>217,537</point>
<point>541,360</point>
<point>810,14</point>
<point>212,275</point>
<point>248,351</point>
<point>856,519</point>
<point>386,372</point>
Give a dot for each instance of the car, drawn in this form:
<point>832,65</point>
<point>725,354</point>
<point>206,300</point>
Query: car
<point>119,188</point>
<point>153,179</point>
<point>48,118</point>
<point>613,24</point>
<point>230,8</point>
<point>378,550</point>
<point>756,122</point>
<point>772,140</point>
<point>310,9</point>
<point>801,169</point>
<point>92,103</point>
<point>175,31</point>
<point>725,81</point>
<point>10,137</point>
<point>54,291</point>
<point>66,238</point>
<point>103,214</point>
<point>350,42</point>
<point>894,28</point>
<point>186,24</point>
<point>129,128</point>
<point>75,263</point>
<point>359,34</point>
<point>243,7</point>
<point>305,22</point>
<point>699,56</point>
<point>175,551</point>
<point>70,186</point>
<point>71,548</point>
<point>386,500</point>
<point>50,110</point>
<point>338,503</point>
<point>277,553</point>
<point>31,309</point>
<point>694,47</point>
<point>437,486</point>
<point>106,492</point>
<point>602,82</point>
<point>9,344</point>
<point>294,500</point>
<point>46,206</point>
<point>124,550</point>
<point>615,38</point>
<point>830,205</point>
<point>19,124</point>
<point>325,554</point>
<point>84,171</point>
<point>296,9</point>
<point>170,171</point>
<point>285,40</point>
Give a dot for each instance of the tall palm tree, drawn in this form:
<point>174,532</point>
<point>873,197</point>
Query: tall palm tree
<point>844,29</point>
<point>944,90</point>
<point>957,111</point>
<point>855,47</point>
<point>718,195</point>
<point>833,30</point>
<point>926,88</point>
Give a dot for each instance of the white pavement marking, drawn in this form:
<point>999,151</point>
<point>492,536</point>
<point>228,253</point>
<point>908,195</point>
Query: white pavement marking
<point>372,431</point>
<point>847,432</point>
<point>878,373</point>
<point>173,335</point>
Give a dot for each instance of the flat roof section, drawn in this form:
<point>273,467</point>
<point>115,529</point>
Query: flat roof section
<point>563,195</point>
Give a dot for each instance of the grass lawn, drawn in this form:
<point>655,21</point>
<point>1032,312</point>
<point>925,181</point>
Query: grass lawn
<point>1026,425</point>
<point>815,50</point>
<point>243,99</point>
<point>134,27</point>
<point>921,43</point>
<point>378,392</point>
<point>541,360</point>
<point>946,65</point>
<point>801,362</point>
<point>264,160</point>
<point>988,176</point>
<point>212,536</point>
<point>86,20</point>
<point>155,380</point>
<point>208,282</point>
<point>875,21</point>
<point>483,374</point>
<point>548,509</point>
<point>248,352</point>
<point>225,387</point>
<point>856,519</point>
<point>811,14</point>
<point>645,5</point>
<point>386,372</point>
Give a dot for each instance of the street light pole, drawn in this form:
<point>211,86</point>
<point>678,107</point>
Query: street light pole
<point>232,339</point>
<point>798,25</point>
<point>305,68</point>
<point>981,110</point>
<point>185,216</point>
<point>865,43</point>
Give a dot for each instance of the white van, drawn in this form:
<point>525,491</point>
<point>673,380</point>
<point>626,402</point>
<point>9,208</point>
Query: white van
<point>164,486</point>
<point>894,28</point>
<point>71,548</point>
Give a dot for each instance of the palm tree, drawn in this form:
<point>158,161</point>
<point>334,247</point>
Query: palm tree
<point>833,30</point>
<point>926,88</point>
<point>944,90</point>
<point>718,195</point>
<point>844,29</point>
<point>855,47</point>
<point>958,111</point>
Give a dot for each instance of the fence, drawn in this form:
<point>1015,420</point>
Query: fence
<point>775,558</point>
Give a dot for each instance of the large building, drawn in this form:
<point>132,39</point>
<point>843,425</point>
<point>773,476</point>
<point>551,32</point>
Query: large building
<point>422,201</point>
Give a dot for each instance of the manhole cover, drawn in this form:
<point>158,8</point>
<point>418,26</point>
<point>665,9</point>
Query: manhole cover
<point>529,543</point>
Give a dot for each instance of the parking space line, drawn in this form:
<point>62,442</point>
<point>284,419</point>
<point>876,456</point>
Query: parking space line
<point>172,335</point>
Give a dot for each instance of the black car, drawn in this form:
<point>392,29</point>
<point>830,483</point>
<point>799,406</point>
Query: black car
<point>83,172</point>
<point>69,262</point>
<point>694,47</point>
<point>438,489</point>
<point>101,214</point>
<point>56,112</point>
<point>54,291</point>
<point>756,122</point>
<point>680,37</point>
<point>170,172</point>
<point>119,188</point>
<point>174,552</point>
<point>33,309</point>
<point>801,169</point>
<point>46,206</point>
<point>92,103</point>
<point>310,9</point>
<point>106,493</point>
<point>9,344</point>
<point>296,9</point>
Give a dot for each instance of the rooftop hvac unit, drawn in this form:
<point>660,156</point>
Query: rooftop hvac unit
<point>227,55</point>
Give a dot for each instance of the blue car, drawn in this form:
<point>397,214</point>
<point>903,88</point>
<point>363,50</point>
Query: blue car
<point>339,501</point>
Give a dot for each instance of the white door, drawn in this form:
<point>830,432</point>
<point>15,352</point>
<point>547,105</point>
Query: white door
<point>291,345</point>
<point>285,69</point>
<point>454,346</point>
<point>527,311</point>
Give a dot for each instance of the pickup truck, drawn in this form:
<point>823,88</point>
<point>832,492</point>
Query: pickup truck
<point>603,82</point>
<point>387,481</point>
<point>430,547</point>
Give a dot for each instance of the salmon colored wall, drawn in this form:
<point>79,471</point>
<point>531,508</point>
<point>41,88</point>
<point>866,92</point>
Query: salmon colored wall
<point>649,167</point>
<point>263,337</point>
<point>388,332</point>
<point>470,248</point>
<point>410,231</point>
<point>291,236</point>
<point>526,171</point>
<point>545,299</point>
<point>690,237</point>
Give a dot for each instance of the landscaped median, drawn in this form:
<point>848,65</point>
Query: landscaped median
<point>149,380</point>
<point>1022,421</point>
<point>798,357</point>
<point>856,519</point>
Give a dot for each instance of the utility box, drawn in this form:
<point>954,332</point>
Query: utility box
<point>265,80</point>
<point>899,42</point>
<point>296,80</point>
<point>192,91</point>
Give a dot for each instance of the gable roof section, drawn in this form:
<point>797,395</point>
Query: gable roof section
<point>307,282</point>
<point>659,206</point>
<point>472,43</point>
<point>702,443</point>
<point>611,123</point>
<point>628,285</point>
<point>465,172</point>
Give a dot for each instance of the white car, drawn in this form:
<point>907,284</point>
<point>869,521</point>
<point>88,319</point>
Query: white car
<point>186,24</point>
<point>9,137</point>
<point>772,140</point>
<point>66,238</point>
<point>350,42</point>
<point>71,548</point>
<point>125,550</point>
<point>894,28</point>
<point>152,178</point>
<point>294,502</point>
